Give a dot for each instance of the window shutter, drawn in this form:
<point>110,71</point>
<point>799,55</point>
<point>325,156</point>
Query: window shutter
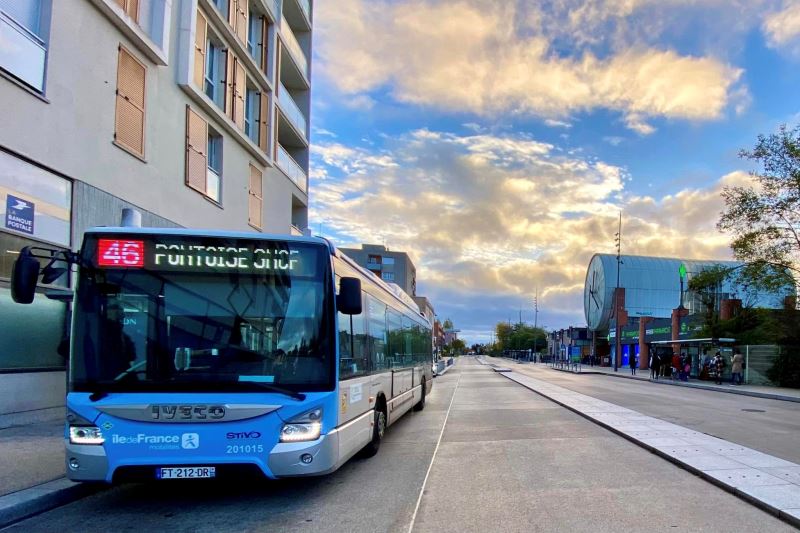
<point>232,11</point>
<point>229,82</point>
<point>262,122</point>
<point>200,51</point>
<point>241,19</point>
<point>255,201</point>
<point>130,112</point>
<point>132,9</point>
<point>240,90</point>
<point>264,42</point>
<point>196,147</point>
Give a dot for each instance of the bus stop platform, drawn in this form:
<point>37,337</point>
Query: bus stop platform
<point>757,391</point>
<point>32,479</point>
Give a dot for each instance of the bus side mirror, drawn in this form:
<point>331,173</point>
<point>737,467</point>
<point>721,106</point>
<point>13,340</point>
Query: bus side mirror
<point>348,301</point>
<point>24,277</point>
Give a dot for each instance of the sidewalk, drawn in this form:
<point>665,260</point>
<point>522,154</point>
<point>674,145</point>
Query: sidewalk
<point>32,477</point>
<point>772,393</point>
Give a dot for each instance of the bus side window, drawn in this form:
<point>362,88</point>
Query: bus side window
<point>352,343</point>
<point>377,334</point>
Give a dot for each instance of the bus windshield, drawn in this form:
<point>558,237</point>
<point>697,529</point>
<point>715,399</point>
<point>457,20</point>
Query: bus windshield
<point>167,313</point>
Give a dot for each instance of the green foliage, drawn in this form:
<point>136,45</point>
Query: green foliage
<point>520,337</point>
<point>785,370</point>
<point>448,324</point>
<point>765,218</point>
<point>457,347</point>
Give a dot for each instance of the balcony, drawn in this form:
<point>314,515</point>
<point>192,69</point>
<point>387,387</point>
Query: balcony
<point>292,112</point>
<point>295,50</point>
<point>305,5</point>
<point>290,167</point>
<point>275,6</point>
<point>21,53</point>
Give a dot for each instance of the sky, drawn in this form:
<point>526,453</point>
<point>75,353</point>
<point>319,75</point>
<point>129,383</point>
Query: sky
<point>497,141</point>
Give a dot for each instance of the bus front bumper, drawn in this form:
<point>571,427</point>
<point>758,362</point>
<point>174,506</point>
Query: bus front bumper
<point>318,457</point>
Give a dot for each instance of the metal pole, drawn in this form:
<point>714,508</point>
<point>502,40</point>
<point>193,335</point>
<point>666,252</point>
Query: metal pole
<point>618,340</point>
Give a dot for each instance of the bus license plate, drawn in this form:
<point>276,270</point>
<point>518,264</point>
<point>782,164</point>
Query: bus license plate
<point>186,472</point>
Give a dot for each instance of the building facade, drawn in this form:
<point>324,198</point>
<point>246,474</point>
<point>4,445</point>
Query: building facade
<point>193,112</point>
<point>393,267</point>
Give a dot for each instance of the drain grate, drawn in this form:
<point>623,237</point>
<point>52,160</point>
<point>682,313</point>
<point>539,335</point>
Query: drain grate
<point>754,410</point>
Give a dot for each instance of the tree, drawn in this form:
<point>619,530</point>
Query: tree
<point>765,218</point>
<point>448,324</point>
<point>457,346</point>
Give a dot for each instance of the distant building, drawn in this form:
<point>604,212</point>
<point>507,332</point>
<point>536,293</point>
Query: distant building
<point>425,308</point>
<point>393,267</point>
<point>450,335</point>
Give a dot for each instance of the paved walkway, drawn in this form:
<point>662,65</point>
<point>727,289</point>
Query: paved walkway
<point>769,482</point>
<point>775,393</point>
<point>31,449</point>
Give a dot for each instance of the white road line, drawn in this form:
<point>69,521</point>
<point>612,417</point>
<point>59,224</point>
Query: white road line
<point>430,466</point>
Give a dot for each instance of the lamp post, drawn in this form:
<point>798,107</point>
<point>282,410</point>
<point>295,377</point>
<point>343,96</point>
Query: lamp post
<point>617,339</point>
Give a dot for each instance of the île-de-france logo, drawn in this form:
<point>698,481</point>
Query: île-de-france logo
<point>19,214</point>
<point>190,441</point>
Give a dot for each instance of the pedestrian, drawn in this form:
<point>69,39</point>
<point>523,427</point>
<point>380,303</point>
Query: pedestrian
<point>719,364</point>
<point>633,364</point>
<point>736,367</point>
<point>676,366</point>
<point>687,367</point>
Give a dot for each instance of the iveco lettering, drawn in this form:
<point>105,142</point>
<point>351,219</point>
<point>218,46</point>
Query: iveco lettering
<point>197,354</point>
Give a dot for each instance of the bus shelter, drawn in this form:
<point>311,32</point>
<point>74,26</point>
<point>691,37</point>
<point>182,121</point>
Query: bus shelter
<point>701,351</point>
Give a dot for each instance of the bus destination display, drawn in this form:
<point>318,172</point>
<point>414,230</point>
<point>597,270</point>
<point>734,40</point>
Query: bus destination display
<point>228,256</point>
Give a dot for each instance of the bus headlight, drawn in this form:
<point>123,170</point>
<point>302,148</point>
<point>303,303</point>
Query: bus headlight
<point>85,435</point>
<point>305,427</point>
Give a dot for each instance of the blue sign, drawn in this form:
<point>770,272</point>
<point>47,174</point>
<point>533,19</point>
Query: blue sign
<point>19,214</point>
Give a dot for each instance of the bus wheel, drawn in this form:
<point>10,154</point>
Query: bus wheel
<point>378,430</point>
<point>421,403</point>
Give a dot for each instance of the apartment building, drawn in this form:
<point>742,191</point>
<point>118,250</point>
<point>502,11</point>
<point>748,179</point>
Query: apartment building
<point>193,112</point>
<point>391,266</point>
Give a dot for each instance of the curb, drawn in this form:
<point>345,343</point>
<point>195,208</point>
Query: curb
<point>793,520</point>
<point>29,502</point>
<point>666,381</point>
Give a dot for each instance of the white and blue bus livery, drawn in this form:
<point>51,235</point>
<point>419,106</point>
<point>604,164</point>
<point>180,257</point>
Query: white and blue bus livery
<point>209,354</point>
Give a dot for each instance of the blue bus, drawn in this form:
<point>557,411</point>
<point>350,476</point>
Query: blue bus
<point>207,354</point>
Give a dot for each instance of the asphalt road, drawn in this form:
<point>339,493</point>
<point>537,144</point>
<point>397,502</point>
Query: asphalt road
<point>770,426</point>
<point>509,460</point>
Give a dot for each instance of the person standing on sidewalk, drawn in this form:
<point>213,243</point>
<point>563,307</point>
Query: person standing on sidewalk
<point>633,364</point>
<point>736,367</point>
<point>719,364</point>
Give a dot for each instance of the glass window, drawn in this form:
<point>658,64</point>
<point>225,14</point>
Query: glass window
<point>252,105</point>
<point>377,333</point>
<point>34,335</point>
<point>222,6</point>
<point>388,276</point>
<point>23,48</point>
<point>254,36</point>
<point>388,260</point>
<point>183,325</point>
<point>214,174</point>
<point>353,360</point>
<point>215,69</point>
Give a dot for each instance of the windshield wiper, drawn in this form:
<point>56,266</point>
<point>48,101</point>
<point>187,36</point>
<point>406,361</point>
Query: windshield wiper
<point>274,388</point>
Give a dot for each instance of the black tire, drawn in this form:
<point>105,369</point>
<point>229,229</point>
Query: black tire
<point>421,403</point>
<point>378,430</point>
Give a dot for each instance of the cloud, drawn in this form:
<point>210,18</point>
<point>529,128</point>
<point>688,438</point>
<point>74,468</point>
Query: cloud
<point>557,123</point>
<point>490,218</point>
<point>473,59</point>
<point>614,140</point>
<point>783,27</point>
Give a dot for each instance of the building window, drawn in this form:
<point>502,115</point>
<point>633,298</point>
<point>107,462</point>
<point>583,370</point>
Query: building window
<point>22,42</point>
<point>222,6</point>
<point>388,276</point>
<point>388,260</point>
<point>203,156</point>
<point>214,176</point>
<point>215,66</point>
<point>251,114</point>
<point>254,36</point>
<point>255,200</point>
<point>130,110</point>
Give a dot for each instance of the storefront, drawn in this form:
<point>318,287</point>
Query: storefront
<point>35,210</point>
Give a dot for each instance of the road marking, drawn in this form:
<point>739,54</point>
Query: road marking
<point>430,466</point>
